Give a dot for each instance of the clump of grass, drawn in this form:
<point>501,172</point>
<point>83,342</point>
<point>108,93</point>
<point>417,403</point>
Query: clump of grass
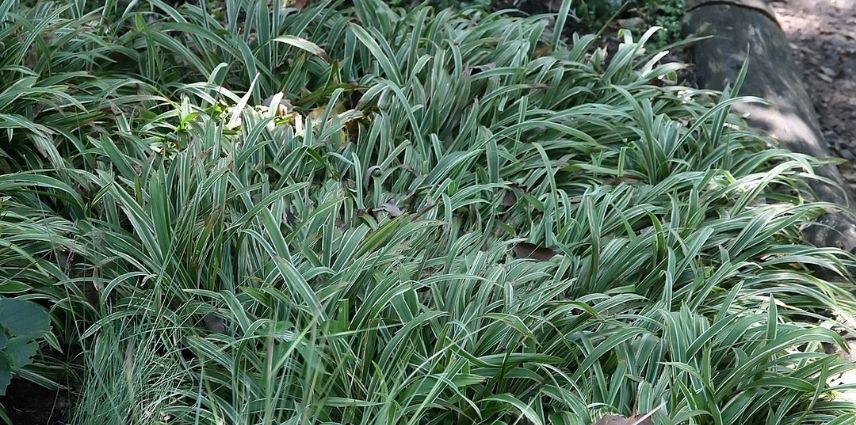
<point>453,218</point>
<point>130,375</point>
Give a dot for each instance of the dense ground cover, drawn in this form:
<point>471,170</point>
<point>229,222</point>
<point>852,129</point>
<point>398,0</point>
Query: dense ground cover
<point>351,213</point>
<point>598,16</point>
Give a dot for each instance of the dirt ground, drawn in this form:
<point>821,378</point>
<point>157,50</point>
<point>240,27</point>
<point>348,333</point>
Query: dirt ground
<point>822,35</point>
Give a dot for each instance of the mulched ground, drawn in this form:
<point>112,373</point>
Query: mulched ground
<point>822,35</point>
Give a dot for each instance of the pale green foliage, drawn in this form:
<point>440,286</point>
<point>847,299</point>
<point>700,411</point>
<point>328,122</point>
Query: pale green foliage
<point>361,268</point>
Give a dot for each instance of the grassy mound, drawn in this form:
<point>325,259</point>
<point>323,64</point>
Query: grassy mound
<point>333,213</point>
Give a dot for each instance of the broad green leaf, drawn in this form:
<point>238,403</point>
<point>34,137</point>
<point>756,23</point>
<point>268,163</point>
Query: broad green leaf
<point>23,318</point>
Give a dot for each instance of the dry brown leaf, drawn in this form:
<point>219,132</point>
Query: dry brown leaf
<point>509,199</point>
<point>299,4</point>
<point>390,209</point>
<point>616,180</point>
<point>533,252</point>
<point>215,323</point>
<point>638,419</point>
<point>621,420</point>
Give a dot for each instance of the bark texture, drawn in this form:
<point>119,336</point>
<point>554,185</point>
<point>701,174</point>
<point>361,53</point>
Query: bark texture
<point>743,30</point>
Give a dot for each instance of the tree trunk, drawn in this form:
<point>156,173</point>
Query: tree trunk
<point>747,30</point>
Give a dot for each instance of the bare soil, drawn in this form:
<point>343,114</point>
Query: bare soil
<point>822,35</point>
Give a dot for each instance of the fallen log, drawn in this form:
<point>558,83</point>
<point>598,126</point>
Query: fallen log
<point>744,30</point>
